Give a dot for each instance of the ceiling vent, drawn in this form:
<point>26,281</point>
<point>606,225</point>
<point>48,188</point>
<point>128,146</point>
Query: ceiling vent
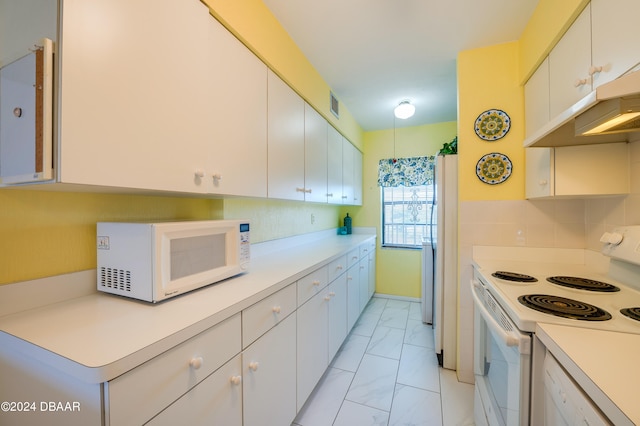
<point>335,105</point>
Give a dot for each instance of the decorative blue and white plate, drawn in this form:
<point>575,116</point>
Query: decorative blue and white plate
<point>492,125</point>
<point>494,168</point>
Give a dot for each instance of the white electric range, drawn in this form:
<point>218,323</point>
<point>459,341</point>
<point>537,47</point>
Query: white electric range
<point>514,293</point>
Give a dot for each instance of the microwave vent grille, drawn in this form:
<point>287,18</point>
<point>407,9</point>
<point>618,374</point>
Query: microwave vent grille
<point>116,279</point>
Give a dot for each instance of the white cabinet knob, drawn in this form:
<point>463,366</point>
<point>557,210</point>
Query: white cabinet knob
<point>542,182</point>
<point>581,82</point>
<point>253,366</point>
<point>199,173</point>
<point>595,69</point>
<point>339,267</point>
<point>236,380</point>
<point>316,283</point>
<point>327,298</point>
<point>300,190</point>
<point>216,176</point>
<point>332,293</point>
<point>308,191</point>
<point>196,362</point>
<point>276,309</point>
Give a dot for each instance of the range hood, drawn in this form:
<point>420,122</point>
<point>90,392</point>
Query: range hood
<point>611,113</point>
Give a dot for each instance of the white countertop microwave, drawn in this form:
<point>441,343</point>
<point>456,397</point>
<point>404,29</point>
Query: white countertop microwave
<point>156,261</point>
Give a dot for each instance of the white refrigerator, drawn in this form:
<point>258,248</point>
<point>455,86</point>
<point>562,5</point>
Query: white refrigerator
<point>440,287</point>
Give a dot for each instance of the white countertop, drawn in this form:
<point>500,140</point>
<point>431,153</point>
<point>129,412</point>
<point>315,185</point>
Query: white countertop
<point>100,336</point>
<point>604,363</point>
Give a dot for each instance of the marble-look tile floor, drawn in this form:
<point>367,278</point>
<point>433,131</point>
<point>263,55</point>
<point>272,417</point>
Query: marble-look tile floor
<point>387,373</point>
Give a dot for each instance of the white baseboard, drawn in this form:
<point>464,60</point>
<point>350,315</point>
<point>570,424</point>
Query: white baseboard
<point>391,296</point>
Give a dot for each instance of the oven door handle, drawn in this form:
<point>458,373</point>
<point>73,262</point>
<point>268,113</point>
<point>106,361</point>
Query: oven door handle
<point>510,339</point>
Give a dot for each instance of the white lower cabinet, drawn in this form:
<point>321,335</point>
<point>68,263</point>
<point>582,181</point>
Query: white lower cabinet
<point>312,343</point>
<point>363,282</point>
<point>337,314</point>
<point>217,400</point>
<point>353,295</point>
<point>269,377</point>
<point>140,394</point>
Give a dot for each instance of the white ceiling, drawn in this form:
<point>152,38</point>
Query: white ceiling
<point>376,53</point>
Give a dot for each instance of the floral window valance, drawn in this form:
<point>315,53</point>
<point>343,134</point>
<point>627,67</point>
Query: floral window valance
<point>411,171</point>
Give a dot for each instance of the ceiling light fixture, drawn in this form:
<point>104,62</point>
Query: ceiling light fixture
<point>404,110</point>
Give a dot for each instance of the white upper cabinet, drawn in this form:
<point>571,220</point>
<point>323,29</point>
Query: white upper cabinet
<point>285,141</point>
<point>348,164</point>
<point>577,171</point>
<point>536,97</point>
<point>615,34</point>
<point>569,64</point>
<point>315,155</point>
<point>136,94</point>
<point>237,145</point>
<point>357,178</point>
<point>334,167</point>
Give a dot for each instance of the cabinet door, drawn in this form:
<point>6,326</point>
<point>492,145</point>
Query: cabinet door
<point>353,295</point>
<point>315,155</point>
<point>337,314</point>
<point>363,278</point>
<point>269,377</point>
<point>569,64</point>
<point>615,33</point>
<point>217,400</point>
<point>539,172</point>
<point>536,99</point>
<point>136,93</point>
<point>348,164</point>
<point>237,145</point>
<point>372,271</point>
<point>357,177</point>
<point>312,344</point>
<point>334,167</point>
<point>285,141</point>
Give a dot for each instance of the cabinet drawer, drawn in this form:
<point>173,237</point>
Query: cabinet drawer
<point>217,400</point>
<point>141,393</point>
<point>353,257</point>
<point>259,318</point>
<point>311,284</point>
<point>337,267</point>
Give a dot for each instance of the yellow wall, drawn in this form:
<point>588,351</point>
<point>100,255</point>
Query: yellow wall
<point>488,79</point>
<point>398,270</point>
<point>271,219</point>
<point>549,22</point>
<point>50,233</point>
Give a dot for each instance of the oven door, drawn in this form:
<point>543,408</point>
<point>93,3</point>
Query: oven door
<point>502,364</point>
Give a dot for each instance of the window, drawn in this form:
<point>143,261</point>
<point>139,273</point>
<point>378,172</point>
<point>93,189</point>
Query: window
<point>406,215</point>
